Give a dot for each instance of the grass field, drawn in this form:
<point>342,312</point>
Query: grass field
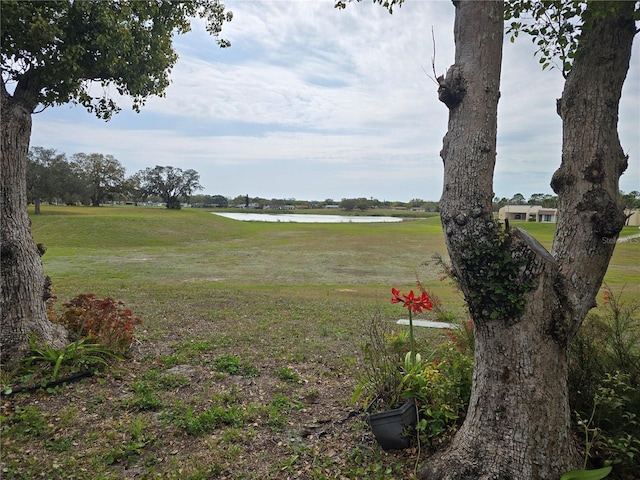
<point>127,251</point>
<point>289,303</point>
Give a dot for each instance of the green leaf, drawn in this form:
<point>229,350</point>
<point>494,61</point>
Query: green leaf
<point>586,474</point>
<point>57,366</point>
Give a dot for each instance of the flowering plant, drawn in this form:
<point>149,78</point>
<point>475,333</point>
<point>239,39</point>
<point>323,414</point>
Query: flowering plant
<point>414,305</point>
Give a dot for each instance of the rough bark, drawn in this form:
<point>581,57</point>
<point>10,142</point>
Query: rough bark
<point>590,208</point>
<point>526,303</point>
<point>23,287</point>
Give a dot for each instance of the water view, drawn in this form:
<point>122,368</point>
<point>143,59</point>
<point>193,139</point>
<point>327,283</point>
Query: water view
<point>302,218</point>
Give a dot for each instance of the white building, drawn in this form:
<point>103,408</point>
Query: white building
<point>536,213</point>
<point>528,213</point>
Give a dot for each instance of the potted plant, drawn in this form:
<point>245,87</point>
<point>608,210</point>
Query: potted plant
<point>386,386</point>
<point>392,427</point>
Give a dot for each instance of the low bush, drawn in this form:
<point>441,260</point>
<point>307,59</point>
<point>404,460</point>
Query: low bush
<point>441,388</point>
<point>79,355</point>
<point>604,385</point>
<point>105,320</point>
<point>379,366</point>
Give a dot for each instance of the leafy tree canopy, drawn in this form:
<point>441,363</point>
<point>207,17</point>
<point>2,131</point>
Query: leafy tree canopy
<point>554,26</point>
<point>52,51</point>
<point>169,183</point>
<point>48,175</point>
<point>102,175</point>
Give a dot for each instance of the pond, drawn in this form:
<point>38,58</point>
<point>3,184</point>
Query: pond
<point>303,218</point>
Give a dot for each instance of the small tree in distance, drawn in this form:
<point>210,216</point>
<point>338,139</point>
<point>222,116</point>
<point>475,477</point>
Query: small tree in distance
<point>102,176</point>
<point>49,176</point>
<point>169,183</point>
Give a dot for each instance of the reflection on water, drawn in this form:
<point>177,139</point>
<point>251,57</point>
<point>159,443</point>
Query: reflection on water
<point>302,218</point>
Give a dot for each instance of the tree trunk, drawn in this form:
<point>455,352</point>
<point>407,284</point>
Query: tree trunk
<point>527,304</point>
<point>23,286</point>
<point>173,203</point>
<point>590,208</point>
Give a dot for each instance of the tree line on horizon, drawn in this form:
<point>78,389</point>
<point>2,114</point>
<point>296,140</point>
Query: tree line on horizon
<point>94,179</point>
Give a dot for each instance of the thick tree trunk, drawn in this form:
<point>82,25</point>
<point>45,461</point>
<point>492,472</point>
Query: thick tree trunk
<point>590,208</point>
<point>23,284</point>
<point>173,203</point>
<point>526,303</point>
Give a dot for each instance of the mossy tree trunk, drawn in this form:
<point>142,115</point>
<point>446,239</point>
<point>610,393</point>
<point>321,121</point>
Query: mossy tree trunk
<point>527,303</point>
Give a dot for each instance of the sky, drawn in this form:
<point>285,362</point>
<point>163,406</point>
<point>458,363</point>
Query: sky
<point>315,103</point>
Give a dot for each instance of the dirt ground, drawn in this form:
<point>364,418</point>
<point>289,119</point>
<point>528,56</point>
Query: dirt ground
<point>292,422</point>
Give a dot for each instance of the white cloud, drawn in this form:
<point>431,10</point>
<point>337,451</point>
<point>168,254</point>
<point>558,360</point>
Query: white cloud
<point>311,102</point>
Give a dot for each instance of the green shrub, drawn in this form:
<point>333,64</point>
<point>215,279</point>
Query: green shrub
<point>106,321</point>
<point>604,385</point>
<point>80,355</point>
<point>442,388</point>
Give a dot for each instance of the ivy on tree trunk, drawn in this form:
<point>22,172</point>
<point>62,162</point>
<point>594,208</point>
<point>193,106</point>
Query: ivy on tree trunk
<point>527,303</point>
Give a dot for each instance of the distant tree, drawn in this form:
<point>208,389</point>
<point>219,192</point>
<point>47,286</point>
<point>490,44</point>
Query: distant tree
<point>219,201</point>
<point>276,203</point>
<point>169,183</point>
<point>363,204</point>
<point>517,199</point>
<point>374,203</point>
<point>237,201</point>
<point>432,206</point>
<point>49,176</point>
<point>57,52</point>
<point>630,200</point>
<point>544,199</point>
<point>102,176</point>
<point>129,189</point>
<point>199,200</point>
<point>498,203</point>
<point>348,204</point>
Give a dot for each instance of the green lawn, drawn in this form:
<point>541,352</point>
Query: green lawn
<point>120,250</point>
<point>265,321</point>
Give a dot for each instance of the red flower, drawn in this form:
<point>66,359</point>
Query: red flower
<point>411,302</point>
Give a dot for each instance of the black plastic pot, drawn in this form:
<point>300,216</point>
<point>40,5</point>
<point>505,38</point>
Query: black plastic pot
<point>390,427</point>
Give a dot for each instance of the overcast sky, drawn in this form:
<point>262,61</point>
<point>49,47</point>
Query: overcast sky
<point>314,103</point>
